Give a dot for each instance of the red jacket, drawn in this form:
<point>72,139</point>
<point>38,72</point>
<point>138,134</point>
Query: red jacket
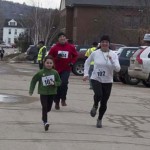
<point>63,55</point>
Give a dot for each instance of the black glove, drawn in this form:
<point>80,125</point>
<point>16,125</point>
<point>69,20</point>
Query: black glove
<point>59,55</point>
<point>70,64</point>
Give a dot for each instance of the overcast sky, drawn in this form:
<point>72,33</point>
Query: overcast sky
<point>40,3</point>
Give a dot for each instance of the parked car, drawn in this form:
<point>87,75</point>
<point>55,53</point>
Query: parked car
<point>140,65</point>
<point>32,52</point>
<point>78,67</point>
<point>5,45</point>
<point>124,54</point>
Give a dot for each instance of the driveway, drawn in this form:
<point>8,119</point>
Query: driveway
<point>126,124</point>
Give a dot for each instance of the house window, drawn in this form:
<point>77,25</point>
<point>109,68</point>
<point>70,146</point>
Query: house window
<point>9,40</point>
<point>12,23</point>
<point>9,32</point>
<point>15,31</point>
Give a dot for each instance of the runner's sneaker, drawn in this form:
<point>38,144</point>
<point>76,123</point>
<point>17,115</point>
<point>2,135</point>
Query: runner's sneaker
<point>99,123</point>
<point>93,111</point>
<point>46,126</point>
<point>57,107</point>
<point>63,103</point>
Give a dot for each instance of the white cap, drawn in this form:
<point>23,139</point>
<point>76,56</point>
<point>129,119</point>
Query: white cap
<point>146,37</point>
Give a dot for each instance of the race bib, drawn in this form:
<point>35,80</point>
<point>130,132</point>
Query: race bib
<point>63,54</point>
<point>101,72</point>
<point>48,80</point>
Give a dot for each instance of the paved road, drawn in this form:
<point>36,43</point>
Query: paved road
<point>126,125</point>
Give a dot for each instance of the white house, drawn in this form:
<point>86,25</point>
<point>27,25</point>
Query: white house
<point>11,30</point>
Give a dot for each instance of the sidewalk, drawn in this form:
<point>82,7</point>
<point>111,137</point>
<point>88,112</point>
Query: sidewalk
<point>126,124</point>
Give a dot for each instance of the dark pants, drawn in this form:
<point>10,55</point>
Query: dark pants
<point>101,94</point>
<point>63,88</point>
<point>90,73</point>
<point>2,55</point>
<point>46,102</point>
<point>40,65</point>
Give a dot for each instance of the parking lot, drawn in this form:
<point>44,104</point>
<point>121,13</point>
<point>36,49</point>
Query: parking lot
<point>126,124</point>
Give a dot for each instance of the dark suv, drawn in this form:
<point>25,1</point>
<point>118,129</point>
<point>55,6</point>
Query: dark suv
<point>32,53</point>
<point>124,54</point>
<point>78,67</point>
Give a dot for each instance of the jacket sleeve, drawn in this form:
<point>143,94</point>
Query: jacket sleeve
<point>115,63</point>
<point>57,79</point>
<point>74,55</point>
<point>87,64</point>
<point>52,52</point>
<point>33,82</point>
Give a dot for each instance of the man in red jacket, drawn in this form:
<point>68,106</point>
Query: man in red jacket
<point>64,55</point>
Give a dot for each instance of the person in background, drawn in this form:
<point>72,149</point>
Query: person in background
<point>2,53</point>
<point>105,63</point>
<point>65,56</point>
<point>48,80</point>
<point>87,54</point>
<point>41,53</point>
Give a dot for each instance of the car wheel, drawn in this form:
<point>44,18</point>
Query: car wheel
<point>78,68</point>
<point>146,83</point>
<point>122,79</point>
<point>131,80</point>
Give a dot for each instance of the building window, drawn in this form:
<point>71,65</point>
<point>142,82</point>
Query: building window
<point>15,31</point>
<point>75,22</point>
<point>12,23</point>
<point>132,22</point>
<point>9,32</point>
<point>9,40</point>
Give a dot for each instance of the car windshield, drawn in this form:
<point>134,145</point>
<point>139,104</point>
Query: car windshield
<point>119,51</point>
<point>128,52</point>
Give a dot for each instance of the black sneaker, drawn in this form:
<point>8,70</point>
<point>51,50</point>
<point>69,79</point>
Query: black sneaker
<point>93,111</point>
<point>99,123</point>
<point>46,126</point>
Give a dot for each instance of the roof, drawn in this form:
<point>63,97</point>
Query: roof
<point>19,23</point>
<point>120,3</point>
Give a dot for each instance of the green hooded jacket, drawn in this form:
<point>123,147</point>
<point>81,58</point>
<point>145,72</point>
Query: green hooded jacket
<point>45,77</point>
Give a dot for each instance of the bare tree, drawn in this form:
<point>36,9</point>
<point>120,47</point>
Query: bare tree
<point>43,24</point>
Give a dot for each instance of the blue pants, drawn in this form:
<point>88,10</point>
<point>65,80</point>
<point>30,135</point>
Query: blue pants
<point>63,88</point>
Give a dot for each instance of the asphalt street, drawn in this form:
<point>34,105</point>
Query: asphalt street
<point>126,124</point>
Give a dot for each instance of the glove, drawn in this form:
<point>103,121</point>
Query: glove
<point>70,64</point>
<point>59,55</point>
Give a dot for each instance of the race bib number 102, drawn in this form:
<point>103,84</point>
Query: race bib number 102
<point>101,72</point>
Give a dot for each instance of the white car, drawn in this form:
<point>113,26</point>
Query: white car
<point>5,45</point>
<point>140,65</point>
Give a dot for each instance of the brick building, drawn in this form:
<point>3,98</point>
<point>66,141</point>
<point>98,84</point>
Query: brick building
<point>85,21</point>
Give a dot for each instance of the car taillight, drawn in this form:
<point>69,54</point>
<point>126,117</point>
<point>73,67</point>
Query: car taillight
<point>139,60</point>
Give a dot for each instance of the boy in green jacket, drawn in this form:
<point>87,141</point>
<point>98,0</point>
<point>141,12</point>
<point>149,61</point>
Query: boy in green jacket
<point>48,80</point>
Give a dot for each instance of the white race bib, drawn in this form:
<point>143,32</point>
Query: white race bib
<point>48,80</point>
<point>64,54</point>
<point>101,72</point>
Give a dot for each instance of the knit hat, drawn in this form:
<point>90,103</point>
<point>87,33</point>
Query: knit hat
<point>105,38</point>
<point>60,34</point>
